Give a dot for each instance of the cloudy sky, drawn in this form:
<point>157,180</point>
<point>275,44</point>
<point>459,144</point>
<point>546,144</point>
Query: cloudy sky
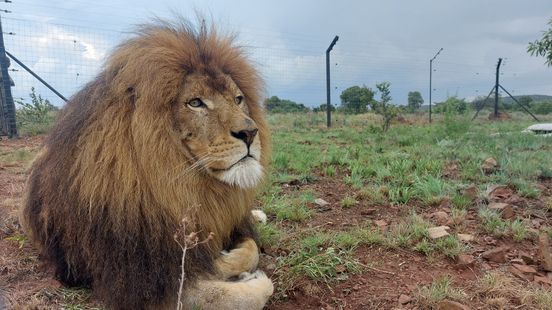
<point>66,42</point>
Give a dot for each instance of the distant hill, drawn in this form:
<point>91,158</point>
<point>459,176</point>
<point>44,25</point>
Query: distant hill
<point>505,100</point>
<point>536,98</point>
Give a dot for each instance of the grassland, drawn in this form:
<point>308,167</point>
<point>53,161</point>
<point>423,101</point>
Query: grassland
<point>369,242</point>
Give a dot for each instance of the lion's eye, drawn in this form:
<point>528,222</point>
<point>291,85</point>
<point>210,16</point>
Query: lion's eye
<point>238,99</point>
<point>196,103</point>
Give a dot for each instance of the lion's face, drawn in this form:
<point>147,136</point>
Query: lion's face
<point>214,125</point>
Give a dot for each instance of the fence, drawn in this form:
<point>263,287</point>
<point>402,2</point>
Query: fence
<point>68,54</point>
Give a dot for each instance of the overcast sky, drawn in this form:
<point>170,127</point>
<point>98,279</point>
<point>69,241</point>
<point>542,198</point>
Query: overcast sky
<point>66,42</point>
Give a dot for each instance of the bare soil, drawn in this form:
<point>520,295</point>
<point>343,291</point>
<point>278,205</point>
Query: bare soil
<point>390,272</point>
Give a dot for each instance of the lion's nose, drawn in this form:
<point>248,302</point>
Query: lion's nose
<point>246,136</point>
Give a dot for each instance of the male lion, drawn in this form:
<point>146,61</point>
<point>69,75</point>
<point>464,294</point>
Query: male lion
<point>171,128</point>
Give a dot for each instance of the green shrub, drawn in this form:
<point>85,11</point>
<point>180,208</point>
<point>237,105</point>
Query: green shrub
<point>35,117</point>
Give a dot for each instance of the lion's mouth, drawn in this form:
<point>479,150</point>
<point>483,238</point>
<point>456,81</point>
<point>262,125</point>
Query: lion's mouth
<point>242,161</point>
<point>245,173</point>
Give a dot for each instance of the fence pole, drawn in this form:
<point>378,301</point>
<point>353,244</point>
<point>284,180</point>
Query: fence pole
<point>430,77</point>
<point>496,88</point>
<point>6,95</point>
<point>328,97</point>
<point>36,76</point>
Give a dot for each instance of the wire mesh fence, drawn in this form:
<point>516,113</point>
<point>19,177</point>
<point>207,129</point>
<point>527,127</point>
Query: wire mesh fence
<point>69,54</point>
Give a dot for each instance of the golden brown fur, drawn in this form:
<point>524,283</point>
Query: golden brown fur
<point>118,172</point>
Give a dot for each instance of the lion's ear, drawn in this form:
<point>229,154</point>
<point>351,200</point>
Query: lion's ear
<point>112,71</point>
<point>118,82</point>
<point>131,93</point>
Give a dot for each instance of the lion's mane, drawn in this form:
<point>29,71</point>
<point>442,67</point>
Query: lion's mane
<point>109,190</point>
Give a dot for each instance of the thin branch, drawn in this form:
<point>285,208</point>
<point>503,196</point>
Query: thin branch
<point>186,242</point>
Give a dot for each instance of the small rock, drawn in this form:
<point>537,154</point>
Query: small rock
<point>498,192</point>
<point>497,255</point>
<point>404,299</point>
<point>536,223</point>
<point>525,268</point>
<point>505,209</point>
<point>368,211</point>
<point>382,224</point>
<point>465,260</point>
<point>465,237</point>
<point>321,202</point>
<point>544,251</point>
<point>489,166</point>
<point>489,240</point>
<point>451,305</point>
<point>441,218</point>
<point>486,267</point>
<point>527,258</point>
<point>517,261</point>
<point>471,192</point>
<point>445,203</point>
<point>438,232</point>
<point>271,266</point>
<point>518,273</point>
<point>542,280</point>
<point>450,170</point>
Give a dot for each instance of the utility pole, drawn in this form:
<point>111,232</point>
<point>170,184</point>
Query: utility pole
<point>328,102</point>
<point>496,88</point>
<point>6,98</point>
<point>430,76</point>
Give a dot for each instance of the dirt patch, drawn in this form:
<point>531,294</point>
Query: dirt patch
<point>389,273</point>
<point>385,274</point>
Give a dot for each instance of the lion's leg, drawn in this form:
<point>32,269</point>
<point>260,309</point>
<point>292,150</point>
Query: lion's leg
<point>250,293</point>
<point>243,258</point>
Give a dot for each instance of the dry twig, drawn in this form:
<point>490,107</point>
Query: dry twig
<point>186,242</point>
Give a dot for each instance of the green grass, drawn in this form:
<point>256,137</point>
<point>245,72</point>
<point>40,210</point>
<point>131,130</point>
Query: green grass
<point>348,202</point>
<point>429,296</point>
<point>22,155</point>
<point>493,224</point>
<point>269,234</point>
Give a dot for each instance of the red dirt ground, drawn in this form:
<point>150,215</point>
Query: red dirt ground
<point>27,284</point>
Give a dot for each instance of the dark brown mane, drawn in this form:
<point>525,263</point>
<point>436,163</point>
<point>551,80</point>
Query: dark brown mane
<point>107,194</point>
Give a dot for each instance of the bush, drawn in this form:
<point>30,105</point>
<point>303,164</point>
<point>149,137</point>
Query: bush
<point>542,107</point>
<point>35,117</point>
<point>277,105</point>
<point>452,105</point>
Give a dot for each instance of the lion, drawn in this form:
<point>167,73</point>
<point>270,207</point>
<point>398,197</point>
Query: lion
<point>171,128</point>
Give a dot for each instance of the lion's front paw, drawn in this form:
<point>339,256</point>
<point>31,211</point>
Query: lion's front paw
<point>243,258</point>
<point>258,281</point>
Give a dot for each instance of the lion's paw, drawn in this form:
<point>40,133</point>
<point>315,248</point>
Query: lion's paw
<point>258,281</point>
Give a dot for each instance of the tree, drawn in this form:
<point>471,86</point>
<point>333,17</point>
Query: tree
<point>277,105</point>
<point>415,100</point>
<point>543,47</point>
<point>453,105</point>
<point>322,108</point>
<point>384,106</point>
<point>355,99</point>
<point>525,101</point>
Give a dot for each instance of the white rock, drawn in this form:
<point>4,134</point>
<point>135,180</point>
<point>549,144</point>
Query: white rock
<point>547,127</point>
<point>259,216</point>
<point>321,202</point>
<point>465,237</point>
<point>438,232</point>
